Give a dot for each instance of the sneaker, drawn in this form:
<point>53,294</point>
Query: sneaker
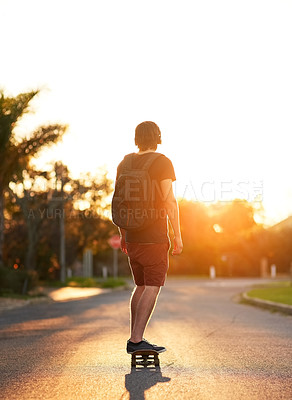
<point>155,346</point>
<point>143,345</point>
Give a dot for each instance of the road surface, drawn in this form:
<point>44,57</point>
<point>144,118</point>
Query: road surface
<point>217,348</point>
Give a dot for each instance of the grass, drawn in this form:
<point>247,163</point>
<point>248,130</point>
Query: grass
<point>95,282</point>
<point>12,295</point>
<point>278,294</point>
<point>79,281</point>
<point>113,282</point>
<point>273,284</point>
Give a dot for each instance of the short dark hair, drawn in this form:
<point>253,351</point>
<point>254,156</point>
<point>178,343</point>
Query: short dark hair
<point>147,136</point>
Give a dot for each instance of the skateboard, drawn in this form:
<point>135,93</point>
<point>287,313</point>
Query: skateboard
<point>145,357</point>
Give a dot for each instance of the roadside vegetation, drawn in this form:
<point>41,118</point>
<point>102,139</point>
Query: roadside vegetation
<point>95,282</point>
<point>279,292</point>
<point>25,286</point>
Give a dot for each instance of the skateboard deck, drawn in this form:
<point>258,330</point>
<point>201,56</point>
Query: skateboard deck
<point>145,357</point>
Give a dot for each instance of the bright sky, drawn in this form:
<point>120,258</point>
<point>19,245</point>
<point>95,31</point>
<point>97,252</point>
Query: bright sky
<point>214,75</point>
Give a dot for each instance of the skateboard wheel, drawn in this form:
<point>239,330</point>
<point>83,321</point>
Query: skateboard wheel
<point>144,358</point>
<point>133,361</point>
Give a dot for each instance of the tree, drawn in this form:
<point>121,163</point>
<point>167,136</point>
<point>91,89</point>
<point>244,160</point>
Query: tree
<point>198,238</point>
<point>16,154</point>
<point>40,201</point>
<point>30,194</point>
<point>223,235</point>
<point>236,224</point>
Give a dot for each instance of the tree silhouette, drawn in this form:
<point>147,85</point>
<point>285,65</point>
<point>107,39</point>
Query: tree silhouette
<point>36,208</point>
<point>15,154</point>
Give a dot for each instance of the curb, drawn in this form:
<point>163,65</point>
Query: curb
<point>285,308</point>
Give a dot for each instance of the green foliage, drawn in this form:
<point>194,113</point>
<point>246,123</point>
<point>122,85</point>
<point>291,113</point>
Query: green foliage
<point>17,281</point>
<point>15,154</point>
<point>11,109</point>
<point>79,281</point>
<point>95,282</point>
<point>113,282</point>
<point>33,218</point>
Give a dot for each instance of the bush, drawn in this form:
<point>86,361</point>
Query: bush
<point>17,281</point>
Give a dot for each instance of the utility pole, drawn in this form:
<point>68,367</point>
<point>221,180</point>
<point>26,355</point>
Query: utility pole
<point>59,170</point>
<point>62,234</point>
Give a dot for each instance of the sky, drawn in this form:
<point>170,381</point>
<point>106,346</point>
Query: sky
<point>214,75</point>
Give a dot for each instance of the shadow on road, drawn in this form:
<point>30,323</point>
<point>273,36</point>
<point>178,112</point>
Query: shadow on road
<point>141,379</point>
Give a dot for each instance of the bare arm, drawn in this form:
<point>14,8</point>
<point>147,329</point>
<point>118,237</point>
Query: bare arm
<point>123,240</point>
<point>172,212</point>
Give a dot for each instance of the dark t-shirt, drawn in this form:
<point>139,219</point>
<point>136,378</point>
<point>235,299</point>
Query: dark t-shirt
<point>160,169</point>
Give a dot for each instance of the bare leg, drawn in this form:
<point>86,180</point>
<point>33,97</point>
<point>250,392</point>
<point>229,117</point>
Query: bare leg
<point>143,312</point>
<point>137,293</point>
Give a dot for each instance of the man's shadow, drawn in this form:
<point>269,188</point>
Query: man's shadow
<point>141,379</point>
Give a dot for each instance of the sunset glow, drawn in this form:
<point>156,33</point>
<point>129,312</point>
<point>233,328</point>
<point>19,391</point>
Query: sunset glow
<point>215,76</point>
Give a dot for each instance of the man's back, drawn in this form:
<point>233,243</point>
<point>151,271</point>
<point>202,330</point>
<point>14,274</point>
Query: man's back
<point>160,169</point>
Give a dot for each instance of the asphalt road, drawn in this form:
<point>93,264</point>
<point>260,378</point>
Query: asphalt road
<point>217,348</point>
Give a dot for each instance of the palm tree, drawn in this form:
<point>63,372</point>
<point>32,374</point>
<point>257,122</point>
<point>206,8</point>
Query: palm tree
<point>16,154</point>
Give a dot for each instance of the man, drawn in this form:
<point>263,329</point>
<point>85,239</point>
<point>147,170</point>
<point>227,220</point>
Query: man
<point>148,248</point>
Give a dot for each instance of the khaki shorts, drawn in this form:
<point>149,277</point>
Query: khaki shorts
<point>148,263</point>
